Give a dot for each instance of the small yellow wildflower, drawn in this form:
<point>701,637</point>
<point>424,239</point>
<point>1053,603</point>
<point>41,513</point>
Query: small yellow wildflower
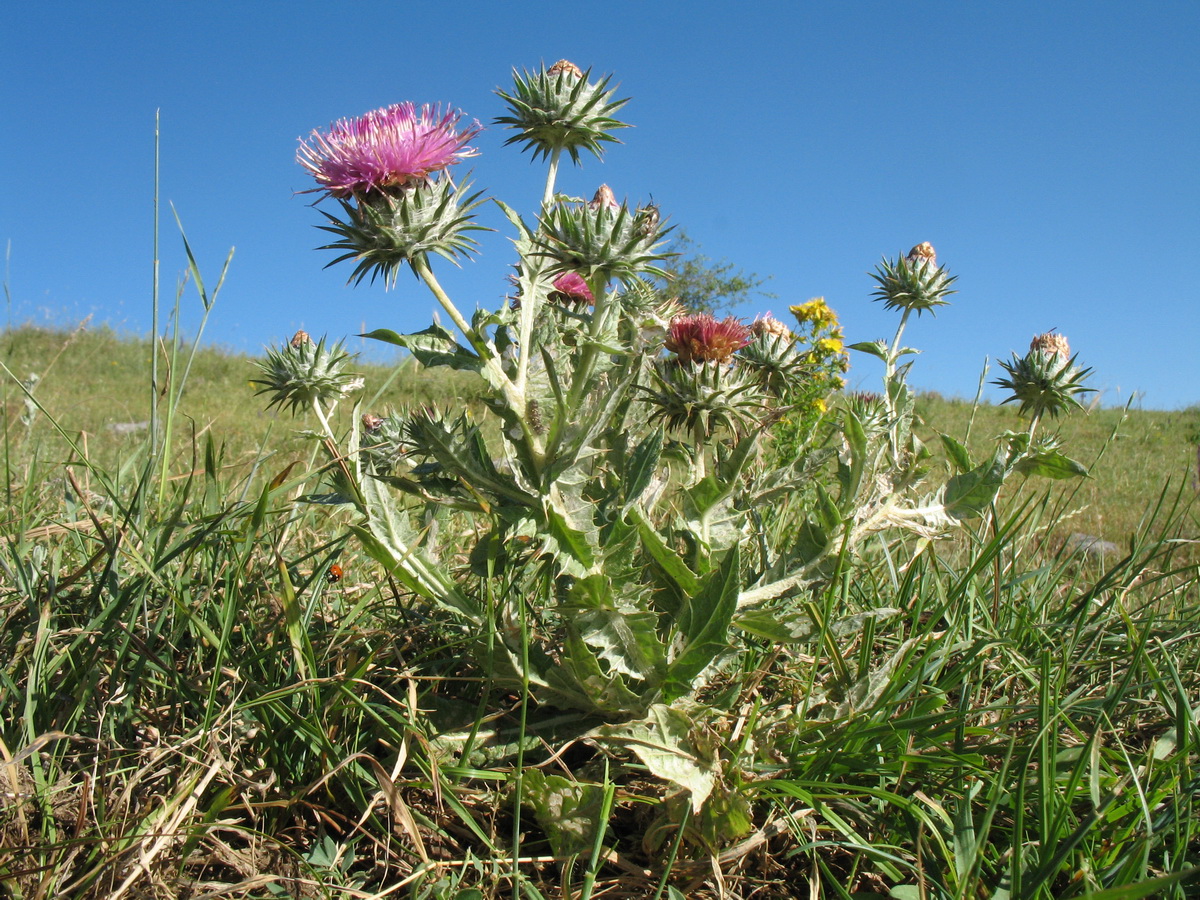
<point>817,312</point>
<point>831,346</point>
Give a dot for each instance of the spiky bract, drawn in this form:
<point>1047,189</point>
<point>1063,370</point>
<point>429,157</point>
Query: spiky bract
<point>706,397</point>
<point>558,109</point>
<point>302,373</point>
<point>600,242</point>
<point>383,231</point>
<point>913,283</point>
<point>1044,381</point>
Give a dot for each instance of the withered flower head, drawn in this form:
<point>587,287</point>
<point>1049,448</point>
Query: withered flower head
<point>565,65</point>
<point>923,253</point>
<point>1051,344</point>
<point>769,325</point>
<point>604,198</point>
<point>300,338</point>
<point>371,423</point>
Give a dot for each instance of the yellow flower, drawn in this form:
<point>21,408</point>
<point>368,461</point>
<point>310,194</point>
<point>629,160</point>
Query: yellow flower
<point>817,312</point>
<point>831,346</point>
<point>819,405</point>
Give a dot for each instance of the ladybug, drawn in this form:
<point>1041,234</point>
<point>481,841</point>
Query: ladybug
<point>334,574</point>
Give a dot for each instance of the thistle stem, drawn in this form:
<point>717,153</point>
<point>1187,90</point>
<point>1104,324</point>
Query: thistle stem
<point>514,395</point>
<point>587,355</point>
<point>893,352</point>
<point>551,177</point>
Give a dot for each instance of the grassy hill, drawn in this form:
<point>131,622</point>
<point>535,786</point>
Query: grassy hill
<point>94,385</point>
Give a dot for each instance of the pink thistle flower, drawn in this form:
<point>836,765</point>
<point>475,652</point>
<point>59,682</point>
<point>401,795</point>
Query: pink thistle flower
<point>702,338</point>
<point>571,287</point>
<point>390,147</point>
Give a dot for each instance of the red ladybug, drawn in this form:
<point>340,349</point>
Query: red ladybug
<point>334,574</point>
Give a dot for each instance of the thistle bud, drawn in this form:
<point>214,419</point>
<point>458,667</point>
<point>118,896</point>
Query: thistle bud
<point>302,374</point>
<point>558,109</point>
<point>600,239</point>
<point>914,282</point>
<point>1046,380</point>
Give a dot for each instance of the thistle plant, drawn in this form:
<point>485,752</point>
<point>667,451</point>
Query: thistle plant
<point>619,531</point>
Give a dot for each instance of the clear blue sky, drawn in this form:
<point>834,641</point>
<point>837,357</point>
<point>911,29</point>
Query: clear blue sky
<point>1050,151</point>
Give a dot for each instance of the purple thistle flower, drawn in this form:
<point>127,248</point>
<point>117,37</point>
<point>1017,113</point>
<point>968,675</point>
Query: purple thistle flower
<point>571,287</point>
<point>390,147</point>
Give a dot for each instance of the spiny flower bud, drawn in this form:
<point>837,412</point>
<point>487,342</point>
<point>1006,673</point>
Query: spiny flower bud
<point>303,373</point>
<point>914,282</point>
<point>1046,380</point>
<point>601,239</point>
<point>558,109</point>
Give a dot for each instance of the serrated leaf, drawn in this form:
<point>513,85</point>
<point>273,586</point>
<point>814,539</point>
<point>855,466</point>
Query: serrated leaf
<point>877,349</point>
<point>969,495</point>
<point>958,454</point>
<point>703,622</point>
<point>663,742</point>
<point>643,462</point>
<point>568,811</point>
<point>1051,464</point>
<point>671,563</point>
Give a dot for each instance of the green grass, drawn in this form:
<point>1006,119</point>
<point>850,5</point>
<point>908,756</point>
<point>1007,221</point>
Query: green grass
<point>189,708</point>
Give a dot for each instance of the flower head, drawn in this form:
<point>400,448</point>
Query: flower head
<point>817,312</point>
<point>565,65</point>
<point>769,326</point>
<point>570,287</point>
<point>387,148</point>
<point>1046,380</point>
<point>604,199</point>
<point>558,109</point>
<point>1051,344</point>
<point>701,338</point>
<point>913,282</point>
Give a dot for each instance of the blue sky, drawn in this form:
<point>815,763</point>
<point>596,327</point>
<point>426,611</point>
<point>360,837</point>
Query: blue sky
<point>1050,151</point>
